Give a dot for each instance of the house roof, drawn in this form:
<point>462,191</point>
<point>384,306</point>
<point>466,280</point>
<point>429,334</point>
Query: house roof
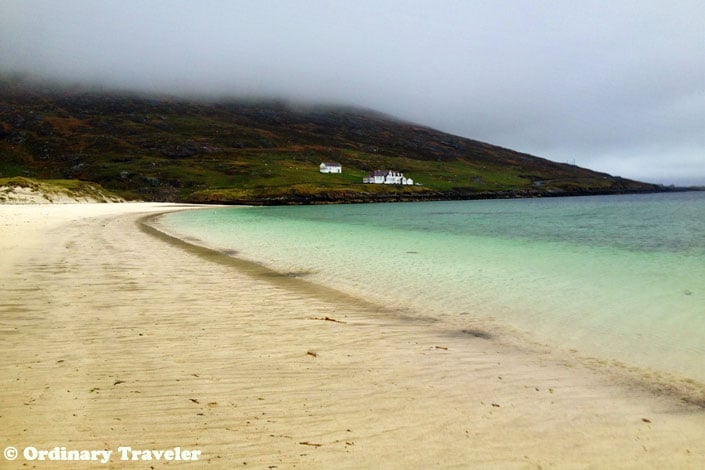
<point>384,173</point>
<point>332,164</point>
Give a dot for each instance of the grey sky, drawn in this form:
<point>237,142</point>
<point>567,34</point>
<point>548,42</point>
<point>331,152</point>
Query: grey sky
<point>617,86</point>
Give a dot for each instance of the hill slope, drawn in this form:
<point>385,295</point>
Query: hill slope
<point>165,149</point>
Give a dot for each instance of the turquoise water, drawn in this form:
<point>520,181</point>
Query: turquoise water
<point>614,277</point>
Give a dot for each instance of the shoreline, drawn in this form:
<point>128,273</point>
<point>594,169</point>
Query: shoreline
<point>134,341</point>
<point>353,196</point>
<point>680,387</point>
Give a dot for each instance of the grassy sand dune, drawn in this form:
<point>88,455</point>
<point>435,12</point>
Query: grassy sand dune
<point>112,336</point>
<point>20,190</point>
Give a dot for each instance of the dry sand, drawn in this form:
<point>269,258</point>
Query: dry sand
<point>112,336</point>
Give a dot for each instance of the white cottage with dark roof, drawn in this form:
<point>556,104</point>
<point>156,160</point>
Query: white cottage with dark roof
<point>387,177</point>
<point>331,167</point>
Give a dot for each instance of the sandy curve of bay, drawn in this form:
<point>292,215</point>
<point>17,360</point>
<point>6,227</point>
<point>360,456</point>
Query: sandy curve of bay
<point>113,336</point>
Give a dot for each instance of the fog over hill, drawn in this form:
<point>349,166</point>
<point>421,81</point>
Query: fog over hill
<point>263,152</point>
<point>615,86</point>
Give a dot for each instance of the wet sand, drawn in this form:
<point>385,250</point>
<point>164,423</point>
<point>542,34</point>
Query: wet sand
<point>113,336</point>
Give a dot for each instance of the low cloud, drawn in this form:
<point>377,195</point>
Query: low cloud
<point>615,86</point>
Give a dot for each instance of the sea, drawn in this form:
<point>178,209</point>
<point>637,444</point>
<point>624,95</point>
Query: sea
<point>616,278</point>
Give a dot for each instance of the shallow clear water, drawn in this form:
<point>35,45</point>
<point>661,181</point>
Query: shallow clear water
<point>615,277</point>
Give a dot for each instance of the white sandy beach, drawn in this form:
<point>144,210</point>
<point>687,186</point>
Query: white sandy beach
<point>114,337</point>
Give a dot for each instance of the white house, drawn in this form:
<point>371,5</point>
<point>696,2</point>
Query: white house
<point>331,167</point>
<point>387,177</point>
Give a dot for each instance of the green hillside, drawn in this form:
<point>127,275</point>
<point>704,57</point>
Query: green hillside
<point>261,152</point>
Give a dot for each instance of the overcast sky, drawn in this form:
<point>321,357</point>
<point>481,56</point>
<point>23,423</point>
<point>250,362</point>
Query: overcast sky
<point>616,86</point>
